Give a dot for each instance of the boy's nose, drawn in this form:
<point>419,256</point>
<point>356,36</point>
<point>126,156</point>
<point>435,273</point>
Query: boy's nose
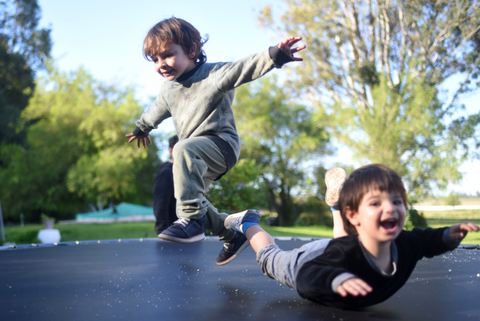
<point>388,206</point>
<point>159,64</point>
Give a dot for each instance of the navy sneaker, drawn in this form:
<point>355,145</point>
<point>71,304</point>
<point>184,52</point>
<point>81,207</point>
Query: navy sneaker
<point>232,249</point>
<point>184,231</point>
<point>234,222</point>
<point>334,179</point>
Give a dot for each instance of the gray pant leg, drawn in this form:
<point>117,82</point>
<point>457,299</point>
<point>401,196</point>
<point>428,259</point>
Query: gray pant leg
<point>283,266</point>
<point>197,163</point>
<point>215,222</point>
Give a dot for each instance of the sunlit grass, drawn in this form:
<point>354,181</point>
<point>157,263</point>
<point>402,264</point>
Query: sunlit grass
<point>91,232</point>
<point>82,232</point>
<point>88,232</point>
<point>437,219</point>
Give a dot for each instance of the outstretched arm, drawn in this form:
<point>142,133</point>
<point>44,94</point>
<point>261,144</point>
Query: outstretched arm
<point>140,138</point>
<point>458,232</point>
<point>355,287</point>
<point>287,44</point>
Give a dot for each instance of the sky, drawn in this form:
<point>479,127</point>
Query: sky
<point>105,38</point>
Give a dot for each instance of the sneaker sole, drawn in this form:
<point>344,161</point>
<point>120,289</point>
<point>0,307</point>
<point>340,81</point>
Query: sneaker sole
<point>230,225</point>
<point>231,258</point>
<point>336,177</point>
<point>193,239</point>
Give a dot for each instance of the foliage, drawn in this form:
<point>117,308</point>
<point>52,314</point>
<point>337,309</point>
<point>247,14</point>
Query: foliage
<point>282,137</point>
<point>19,31</point>
<point>452,200</point>
<point>45,217</point>
<point>314,211</point>
<point>16,87</point>
<point>239,189</point>
<point>374,72</point>
<point>77,153</point>
<point>415,219</point>
<point>23,49</point>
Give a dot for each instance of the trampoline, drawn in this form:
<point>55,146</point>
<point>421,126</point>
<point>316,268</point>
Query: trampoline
<point>151,279</point>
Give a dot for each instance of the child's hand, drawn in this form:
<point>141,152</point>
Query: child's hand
<point>355,287</point>
<point>459,231</point>
<point>286,46</point>
<point>140,138</point>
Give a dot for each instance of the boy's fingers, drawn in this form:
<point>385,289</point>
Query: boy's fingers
<point>300,48</point>
<point>352,289</point>
<point>290,41</point>
<point>294,40</point>
<point>469,227</point>
<point>356,287</point>
<point>342,291</point>
<point>132,138</point>
<point>472,227</point>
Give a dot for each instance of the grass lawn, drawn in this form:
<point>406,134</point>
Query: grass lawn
<point>446,218</point>
<point>441,201</point>
<point>87,232</point>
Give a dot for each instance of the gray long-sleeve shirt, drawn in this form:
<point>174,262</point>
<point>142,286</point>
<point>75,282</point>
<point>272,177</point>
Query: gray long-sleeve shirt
<point>201,105</point>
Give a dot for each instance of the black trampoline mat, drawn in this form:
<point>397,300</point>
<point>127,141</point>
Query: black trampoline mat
<point>158,280</point>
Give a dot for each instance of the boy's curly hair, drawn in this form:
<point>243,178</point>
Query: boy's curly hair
<point>365,179</point>
<point>174,31</point>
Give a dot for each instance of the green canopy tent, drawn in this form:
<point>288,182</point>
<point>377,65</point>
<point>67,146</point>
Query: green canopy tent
<point>121,212</point>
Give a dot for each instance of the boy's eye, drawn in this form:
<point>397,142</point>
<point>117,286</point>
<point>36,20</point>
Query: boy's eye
<point>398,202</point>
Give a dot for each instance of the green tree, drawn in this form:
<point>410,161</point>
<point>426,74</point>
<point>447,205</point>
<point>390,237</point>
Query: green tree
<point>23,49</point>
<point>415,219</point>
<point>19,31</point>
<point>374,71</point>
<point>76,152</point>
<point>283,139</point>
<point>452,200</point>
<point>239,189</point>
<point>16,87</point>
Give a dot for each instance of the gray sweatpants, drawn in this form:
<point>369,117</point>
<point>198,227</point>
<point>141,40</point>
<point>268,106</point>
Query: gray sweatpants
<point>197,162</point>
<point>283,265</point>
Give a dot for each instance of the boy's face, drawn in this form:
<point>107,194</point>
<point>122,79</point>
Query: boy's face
<point>380,217</point>
<point>172,62</point>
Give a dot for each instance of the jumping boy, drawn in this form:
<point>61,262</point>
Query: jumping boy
<point>198,96</point>
<point>368,265</point>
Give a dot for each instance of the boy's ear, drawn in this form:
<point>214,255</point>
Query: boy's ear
<point>351,216</point>
<point>193,51</point>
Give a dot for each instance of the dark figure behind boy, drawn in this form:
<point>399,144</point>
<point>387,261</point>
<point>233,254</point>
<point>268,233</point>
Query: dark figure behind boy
<point>164,203</point>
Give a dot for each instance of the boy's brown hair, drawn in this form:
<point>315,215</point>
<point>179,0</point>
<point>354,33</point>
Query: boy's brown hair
<point>365,179</point>
<point>172,141</point>
<point>174,31</point>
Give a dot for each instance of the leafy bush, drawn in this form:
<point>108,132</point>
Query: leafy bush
<point>415,219</point>
<point>314,211</point>
<point>239,189</point>
<point>452,200</point>
<point>23,235</point>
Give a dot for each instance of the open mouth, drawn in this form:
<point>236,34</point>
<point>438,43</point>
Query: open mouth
<point>166,73</point>
<point>390,224</point>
